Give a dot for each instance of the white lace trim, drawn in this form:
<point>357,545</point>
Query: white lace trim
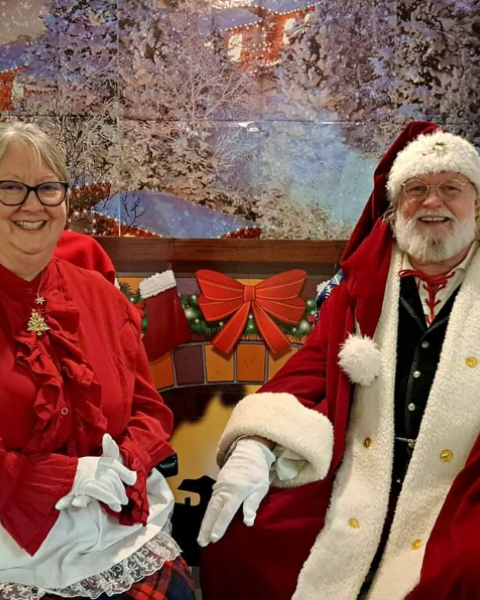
<point>156,284</point>
<point>119,578</point>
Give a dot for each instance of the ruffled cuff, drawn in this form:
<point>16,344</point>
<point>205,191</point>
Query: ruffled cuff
<point>138,507</point>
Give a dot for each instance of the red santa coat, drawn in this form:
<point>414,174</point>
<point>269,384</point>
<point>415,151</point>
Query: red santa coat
<point>292,552</point>
<point>271,559</point>
<point>62,391</point>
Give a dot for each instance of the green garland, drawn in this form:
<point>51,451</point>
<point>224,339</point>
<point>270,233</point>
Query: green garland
<point>135,298</point>
<point>198,324</point>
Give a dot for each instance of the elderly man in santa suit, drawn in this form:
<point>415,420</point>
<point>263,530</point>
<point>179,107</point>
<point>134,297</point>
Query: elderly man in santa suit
<point>355,472</point>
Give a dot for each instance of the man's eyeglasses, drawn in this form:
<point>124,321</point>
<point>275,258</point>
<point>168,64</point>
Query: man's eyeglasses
<point>417,190</point>
<point>50,193</point>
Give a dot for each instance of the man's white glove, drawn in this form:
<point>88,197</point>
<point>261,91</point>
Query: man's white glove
<point>100,478</point>
<point>245,478</point>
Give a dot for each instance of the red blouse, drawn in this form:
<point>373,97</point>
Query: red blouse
<point>60,392</point>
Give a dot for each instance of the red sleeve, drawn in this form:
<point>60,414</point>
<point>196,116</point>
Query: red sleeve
<point>144,443</point>
<point>305,374</point>
<point>30,488</point>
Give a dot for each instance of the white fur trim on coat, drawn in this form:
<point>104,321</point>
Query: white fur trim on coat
<point>156,284</point>
<point>360,359</point>
<point>341,556</point>
<point>343,551</point>
<point>281,418</point>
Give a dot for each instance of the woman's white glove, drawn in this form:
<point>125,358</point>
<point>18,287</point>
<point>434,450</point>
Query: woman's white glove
<point>100,478</point>
<point>245,478</point>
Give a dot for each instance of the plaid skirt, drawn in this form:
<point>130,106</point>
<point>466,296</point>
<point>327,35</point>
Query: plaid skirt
<point>172,582</point>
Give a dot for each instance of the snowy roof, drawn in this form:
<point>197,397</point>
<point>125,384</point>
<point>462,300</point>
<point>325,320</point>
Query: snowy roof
<point>283,6</point>
<point>235,17</point>
<point>170,216</point>
<point>12,56</point>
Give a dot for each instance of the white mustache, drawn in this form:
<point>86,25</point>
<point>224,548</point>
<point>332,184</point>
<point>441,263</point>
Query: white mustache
<point>431,213</point>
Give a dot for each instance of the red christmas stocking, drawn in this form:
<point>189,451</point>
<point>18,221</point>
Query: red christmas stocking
<point>167,324</point>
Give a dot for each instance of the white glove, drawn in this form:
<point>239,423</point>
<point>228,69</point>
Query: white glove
<point>110,448</point>
<point>245,478</point>
<point>100,478</point>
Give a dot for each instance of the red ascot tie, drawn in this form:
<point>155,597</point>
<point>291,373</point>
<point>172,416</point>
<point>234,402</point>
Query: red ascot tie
<point>432,284</point>
<point>276,296</point>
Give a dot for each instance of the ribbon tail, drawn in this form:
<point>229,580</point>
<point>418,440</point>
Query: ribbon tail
<point>226,339</point>
<point>275,339</point>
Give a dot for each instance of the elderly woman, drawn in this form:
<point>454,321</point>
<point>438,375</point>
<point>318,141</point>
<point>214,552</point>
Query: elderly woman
<point>82,513</point>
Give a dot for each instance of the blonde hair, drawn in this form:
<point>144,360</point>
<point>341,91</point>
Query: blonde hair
<point>43,146</point>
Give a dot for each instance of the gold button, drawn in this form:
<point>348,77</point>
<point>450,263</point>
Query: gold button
<point>367,442</point>
<point>416,544</point>
<point>446,456</point>
<point>354,524</point>
<point>471,362</point>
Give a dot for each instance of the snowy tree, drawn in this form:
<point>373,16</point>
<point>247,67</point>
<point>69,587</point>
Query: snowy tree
<point>77,53</point>
<point>342,62</point>
<point>282,218</point>
<point>439,63</point>
<point>180,94</point>
<point>382,65</point>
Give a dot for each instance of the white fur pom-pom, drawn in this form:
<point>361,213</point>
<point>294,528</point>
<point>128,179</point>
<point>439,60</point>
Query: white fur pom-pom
<point>360,359</point>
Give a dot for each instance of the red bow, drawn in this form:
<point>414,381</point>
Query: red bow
<point>277,296</point>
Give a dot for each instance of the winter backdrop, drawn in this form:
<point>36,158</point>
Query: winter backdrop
<point>214,118</point>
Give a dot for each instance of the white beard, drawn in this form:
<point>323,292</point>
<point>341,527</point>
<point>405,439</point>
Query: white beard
<point>433,246</point>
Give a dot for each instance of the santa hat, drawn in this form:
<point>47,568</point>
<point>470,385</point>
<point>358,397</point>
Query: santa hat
<point>366,262</point>
<point>434,153</point>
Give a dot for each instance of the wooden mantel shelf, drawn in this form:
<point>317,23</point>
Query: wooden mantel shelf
<point>236,256</point>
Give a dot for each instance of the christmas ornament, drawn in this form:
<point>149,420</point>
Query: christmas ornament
<point>36,323</point>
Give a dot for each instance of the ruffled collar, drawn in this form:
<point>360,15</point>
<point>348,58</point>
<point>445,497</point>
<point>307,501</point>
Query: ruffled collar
<point>68,399</point>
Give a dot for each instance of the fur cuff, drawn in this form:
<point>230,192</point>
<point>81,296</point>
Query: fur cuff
<point>282,419</point>
<point>360,359</point>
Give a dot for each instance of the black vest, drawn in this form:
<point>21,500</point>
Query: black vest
<point>418,354</point>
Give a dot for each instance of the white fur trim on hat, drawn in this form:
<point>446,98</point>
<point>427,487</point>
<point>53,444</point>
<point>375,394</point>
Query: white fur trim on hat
<point>434,153</point>
<point>156,284</point>
<point>281,418</point>
<point>360,359</point>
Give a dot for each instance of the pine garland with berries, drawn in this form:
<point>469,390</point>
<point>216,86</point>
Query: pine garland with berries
<point>199,325</point>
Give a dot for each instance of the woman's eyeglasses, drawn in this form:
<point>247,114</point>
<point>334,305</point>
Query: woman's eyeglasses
<point>49,193</point>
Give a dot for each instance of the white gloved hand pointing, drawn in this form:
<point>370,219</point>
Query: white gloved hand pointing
<point>244,479</point>
<point>100,478</point>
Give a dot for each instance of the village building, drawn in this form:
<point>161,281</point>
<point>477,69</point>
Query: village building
<point>256,35</point>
